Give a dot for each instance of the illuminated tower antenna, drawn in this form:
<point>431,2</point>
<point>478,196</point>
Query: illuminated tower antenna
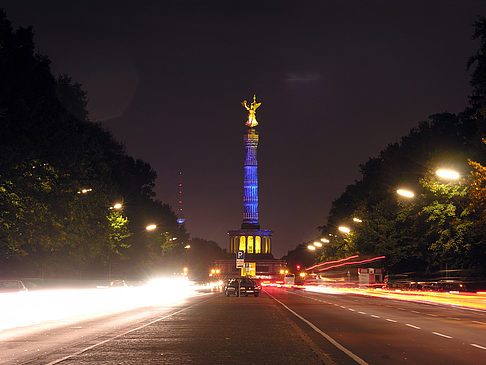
<point>180,209</point>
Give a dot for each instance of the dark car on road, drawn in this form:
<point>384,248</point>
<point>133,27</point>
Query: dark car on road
<point>241,286</point>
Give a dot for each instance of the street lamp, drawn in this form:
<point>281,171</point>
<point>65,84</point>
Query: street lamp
<point>448,174</point>
<point>116,206</point>
<point>357,220</point>
<point>405,193</point>
<point>151,227</point>
<point>187,246</point>
<point>317,244</point>
<point>344,229</point>
<point>325,240</point>
<point>311,247</point>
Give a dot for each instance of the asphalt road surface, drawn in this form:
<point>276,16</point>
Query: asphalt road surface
<point>282,326</point>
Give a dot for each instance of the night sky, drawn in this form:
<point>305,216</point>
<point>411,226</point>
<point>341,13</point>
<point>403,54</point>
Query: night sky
<point>338,81</point>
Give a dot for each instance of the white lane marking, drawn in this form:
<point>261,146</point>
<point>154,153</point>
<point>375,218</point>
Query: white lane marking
<point>120,335</point>
<point>432,315</point>
<point>411,325</point>
<point>361,312</point>
<point>352,310</point>
<point>342,307</point>
<point>355,357</point>
<point>414,312</point>
<point>457,319</point>
<point>478,322</point>
<point>374,316</point>
<point>390,320</point>
<point>478,346</point>
<point>441,334</point>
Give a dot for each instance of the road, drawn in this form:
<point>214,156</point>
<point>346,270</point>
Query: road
<point>282,326</point>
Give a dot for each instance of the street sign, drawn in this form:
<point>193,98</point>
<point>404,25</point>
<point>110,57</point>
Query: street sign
<point>240,255</point>
<point>249,269</point>
<point>240,263</point>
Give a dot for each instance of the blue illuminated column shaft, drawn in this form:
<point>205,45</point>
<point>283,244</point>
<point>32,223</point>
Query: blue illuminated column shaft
<point>250,184</point>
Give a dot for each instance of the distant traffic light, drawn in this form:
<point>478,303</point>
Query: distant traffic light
<point>298,267</point>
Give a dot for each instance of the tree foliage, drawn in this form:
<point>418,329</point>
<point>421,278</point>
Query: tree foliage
<point>61,173</point>
<point>443,225</point>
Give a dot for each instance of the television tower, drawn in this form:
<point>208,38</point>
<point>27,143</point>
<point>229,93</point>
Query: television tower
<point>180,208</point>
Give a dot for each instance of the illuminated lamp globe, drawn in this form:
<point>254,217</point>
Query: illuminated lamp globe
<point>344,229</point>
<point>405,193</point>
<point>447,174</point>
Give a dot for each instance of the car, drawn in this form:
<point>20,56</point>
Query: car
<point>12,286</point>
<point>241,286</point>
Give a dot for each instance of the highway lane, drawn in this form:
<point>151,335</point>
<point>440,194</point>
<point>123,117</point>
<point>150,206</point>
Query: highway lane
<point>381,331</point>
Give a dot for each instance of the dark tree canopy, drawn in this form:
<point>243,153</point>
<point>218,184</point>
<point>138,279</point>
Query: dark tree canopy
<point>51,151</point>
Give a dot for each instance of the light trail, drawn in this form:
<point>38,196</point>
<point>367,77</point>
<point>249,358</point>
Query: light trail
<point>351,263</point>
<point>332,262</point>
<point>72,305</point>
<point>465,300</point>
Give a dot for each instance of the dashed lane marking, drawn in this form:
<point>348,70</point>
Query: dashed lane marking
<point>478,322</point>
<point>355,357</point>
<point>441,334</point>
<point>411,325</point>
<point>372,315</point>
<point>390,320</point>
<point>478,346</point>
<point>361,312</point>
<point>352,310</point>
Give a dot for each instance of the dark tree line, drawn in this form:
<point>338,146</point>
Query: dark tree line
<point>444,225</point>
<point>61,175</point>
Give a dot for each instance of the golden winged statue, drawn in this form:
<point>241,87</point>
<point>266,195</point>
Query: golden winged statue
<point>251,122</point>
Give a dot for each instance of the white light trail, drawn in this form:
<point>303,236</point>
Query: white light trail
<point>34,307</point>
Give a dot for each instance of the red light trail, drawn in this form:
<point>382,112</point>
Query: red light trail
<point>352,262</point>
<point>333,262</point>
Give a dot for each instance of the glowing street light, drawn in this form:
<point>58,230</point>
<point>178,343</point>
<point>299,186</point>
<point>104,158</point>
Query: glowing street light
<point>448,174</point>
<point>116,206</point>
<point>405,193</point>
<point>357,220</point>
<point>344,229</point>
<point>325,240</point>
<point>85,191</point>
<point>187,246</point>
<point>317,244</point>
<point>151,227</point>
<point>311,247</point>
